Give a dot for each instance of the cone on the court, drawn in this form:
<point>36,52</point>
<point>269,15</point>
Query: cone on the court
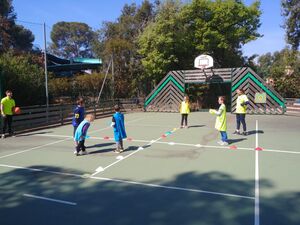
<point>258,149</point>
<point>163,136</point>
<point>168,133</point>
<point>129,139</point>
<point>233,147</point>
<point>106,138</point>
<point>174,129</point>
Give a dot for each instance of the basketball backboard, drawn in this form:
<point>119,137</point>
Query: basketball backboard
<point>203,62</point>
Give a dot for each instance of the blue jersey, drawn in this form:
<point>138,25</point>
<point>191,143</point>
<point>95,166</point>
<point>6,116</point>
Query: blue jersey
<point>78,116</point>
<point>81,131</point>
<point>119,127</point>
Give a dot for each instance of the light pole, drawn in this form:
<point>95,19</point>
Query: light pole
<point>46,73</point>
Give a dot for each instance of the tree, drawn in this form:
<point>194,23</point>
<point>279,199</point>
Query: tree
<point>119,39</point>
<point>181,32</point>
<point>291,12</point>
<point>12,36</point>
<point>162,42</point>
<point>284,68</point>
<point>72,39</point>
<point>24,77</point>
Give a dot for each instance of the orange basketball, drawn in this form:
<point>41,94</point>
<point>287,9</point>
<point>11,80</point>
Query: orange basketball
<point>17,110</point>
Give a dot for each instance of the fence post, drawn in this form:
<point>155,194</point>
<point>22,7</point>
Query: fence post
<point>61,115</point>
<point>95,110</point>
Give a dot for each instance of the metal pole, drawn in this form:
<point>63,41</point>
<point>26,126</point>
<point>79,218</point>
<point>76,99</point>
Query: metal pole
<point>113,77</point>
<point>100,92</point>
<point>46,74</point>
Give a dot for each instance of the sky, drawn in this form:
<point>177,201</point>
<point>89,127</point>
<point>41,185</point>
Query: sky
<point>95,12</point>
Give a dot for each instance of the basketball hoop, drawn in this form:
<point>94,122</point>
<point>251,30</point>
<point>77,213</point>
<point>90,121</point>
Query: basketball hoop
<point>203,62</point>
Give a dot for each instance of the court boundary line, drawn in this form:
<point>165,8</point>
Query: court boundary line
<point>172,187</point>
<point>256,200</point>
<point>53,143</point>
<point>127,156</point>
<point>181,144</point>
<point>176,188</point>
<point>50,199</point>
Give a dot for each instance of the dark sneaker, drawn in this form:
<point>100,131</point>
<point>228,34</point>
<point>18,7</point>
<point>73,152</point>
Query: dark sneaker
<point>76,153</point>
<point>236,132</point>
<point>244,133</point>
<point>84,152</point>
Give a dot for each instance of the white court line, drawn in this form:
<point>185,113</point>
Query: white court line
<point>130,182</point>
<point>172,187</point>
<point>55,142</point>
<point>109,127</point>
<point>40,170</point>
<point>50,199</point>
<point>37,147</point>
<point>181,144</point>
<point>110,165</point>
<point>256,201</point>
<point>134,152</point>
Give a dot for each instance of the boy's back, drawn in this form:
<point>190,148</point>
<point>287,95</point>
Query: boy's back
<point>119,126</point>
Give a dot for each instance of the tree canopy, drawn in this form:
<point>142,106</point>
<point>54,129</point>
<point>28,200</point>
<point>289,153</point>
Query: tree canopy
<point>72,39</point>
<point>13,36</point>
<point>180,32</point>
<point>291,12</point>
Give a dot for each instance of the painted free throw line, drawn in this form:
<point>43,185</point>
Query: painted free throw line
<point>50,199</point>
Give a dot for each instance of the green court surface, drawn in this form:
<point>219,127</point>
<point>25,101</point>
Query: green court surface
<point>165,176</point>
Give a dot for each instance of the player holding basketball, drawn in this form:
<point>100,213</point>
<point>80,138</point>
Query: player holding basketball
<point>7,110</point>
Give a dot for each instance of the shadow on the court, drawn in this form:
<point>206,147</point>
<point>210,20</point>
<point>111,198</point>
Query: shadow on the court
<point>100,145</point>
<point>196,126</point>
<point>137,203</point>
<point>231,141</point>
<point>251,132</point>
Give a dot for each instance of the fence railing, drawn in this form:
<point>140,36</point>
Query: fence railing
<point>293,106</point>
<point>33,117</point>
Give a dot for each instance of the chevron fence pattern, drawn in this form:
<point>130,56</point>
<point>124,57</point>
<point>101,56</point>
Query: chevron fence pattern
<point>246,79</point>
<point>168,94</point>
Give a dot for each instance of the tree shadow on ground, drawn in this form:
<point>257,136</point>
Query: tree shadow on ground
<point>118,203</point>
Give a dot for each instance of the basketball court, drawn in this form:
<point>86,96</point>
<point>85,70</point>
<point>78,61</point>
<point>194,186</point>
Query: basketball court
<point>166,175</point>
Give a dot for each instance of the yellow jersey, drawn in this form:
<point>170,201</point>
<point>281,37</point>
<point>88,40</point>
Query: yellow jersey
<point>221,121</point>
<point>8,105</point>
<point>185,107</point>
<point>241,109</point>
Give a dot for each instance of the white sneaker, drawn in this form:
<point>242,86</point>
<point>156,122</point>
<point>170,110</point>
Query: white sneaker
<point>75,153</point>
<point>3,136</point>
<point>220,142</point>
<point>224,143</point>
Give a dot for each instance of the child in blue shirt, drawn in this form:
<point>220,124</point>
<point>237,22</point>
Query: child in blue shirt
<point>119,129</point>
<point>81,134</point>
<point>78,115</point>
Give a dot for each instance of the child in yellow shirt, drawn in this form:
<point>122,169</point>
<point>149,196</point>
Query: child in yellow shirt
<point>184,111</point>
<point>221,123</point>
